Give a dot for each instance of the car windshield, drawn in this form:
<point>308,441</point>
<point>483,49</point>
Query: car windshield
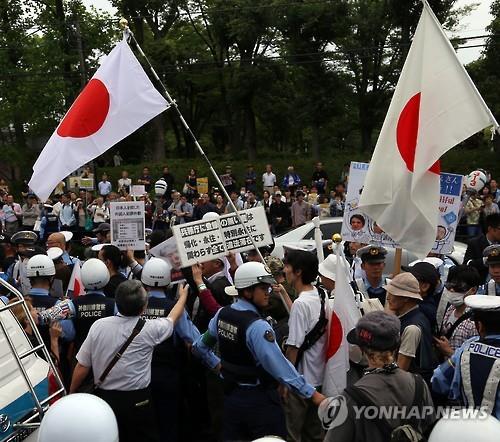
<point>327,230</point>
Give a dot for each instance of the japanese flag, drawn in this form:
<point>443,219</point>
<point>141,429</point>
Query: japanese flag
<point>435,107</point>
<point>75,284</point>
<point>118,100</point>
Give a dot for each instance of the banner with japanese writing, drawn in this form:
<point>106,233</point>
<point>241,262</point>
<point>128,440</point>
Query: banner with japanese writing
<point>256,223</point>
<point>199,241</point>
<point>127,225</point>
<point>204,240</point>
<point>359,227</point>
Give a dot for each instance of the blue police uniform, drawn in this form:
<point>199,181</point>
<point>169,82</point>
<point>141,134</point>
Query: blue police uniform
<point>41,300</point>
<point>168,364</point>
<point>252,365</point>
<point>491,288</point>
<point>472,371</point>
<point>70,260</point>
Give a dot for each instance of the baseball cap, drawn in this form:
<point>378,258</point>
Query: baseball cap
<point>103,227</point>
<point>378,330</point>
<point>404,284</point>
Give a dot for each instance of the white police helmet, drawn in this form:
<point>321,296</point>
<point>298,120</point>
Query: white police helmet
<point>210,215</point>
<point>156,273</point>
<point>252,273</point>
<point>160,187</point>
<point>40,265</point>
<point>96,421</point>
<point>483,428</point>
<point>95,274</point>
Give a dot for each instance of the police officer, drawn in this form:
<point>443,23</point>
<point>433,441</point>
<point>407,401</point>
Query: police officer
<point>491,258</point>
<point>85,310</point>
<point>24,242</point>
<point>252,363</point>
<point>168,357</point>
<point>40,270</point>
<point>472,374</point>
<point>373,263</point>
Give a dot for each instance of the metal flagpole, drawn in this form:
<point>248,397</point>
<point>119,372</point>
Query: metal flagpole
<point>128,33</point>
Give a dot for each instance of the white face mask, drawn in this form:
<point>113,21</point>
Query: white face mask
<point>456,299</point>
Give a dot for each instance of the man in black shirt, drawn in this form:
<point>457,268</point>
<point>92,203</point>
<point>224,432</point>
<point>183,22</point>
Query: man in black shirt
<point>280,215</point>
<point>319,178</point>
<point>111,256</point>
<point>169,178</point>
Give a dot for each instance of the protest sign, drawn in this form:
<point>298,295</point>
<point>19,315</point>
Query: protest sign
<point>127,225</point>
<point>138,190</point>
<point>167,250</point>
<point>359,227</point>
<point>449,207</point>
<point>202,185</point>
<point>199,241</point>
<point>256,223</point>
<point>204,240</point>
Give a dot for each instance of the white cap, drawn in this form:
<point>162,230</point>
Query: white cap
<point>54,253</point>
<point>484,428</point>
<point>67,235</point>
<point>328,267</point>
<point>483,302</point>
<point>79,417</point>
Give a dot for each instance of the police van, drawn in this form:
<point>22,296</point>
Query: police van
<point>28,383</point>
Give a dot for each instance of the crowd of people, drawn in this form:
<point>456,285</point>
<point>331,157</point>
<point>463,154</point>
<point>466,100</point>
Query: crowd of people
<point>237,349</point>
<point>288,203</point>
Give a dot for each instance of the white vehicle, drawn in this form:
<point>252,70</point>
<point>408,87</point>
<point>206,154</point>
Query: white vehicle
<point>303,237</point>
<point>28,383</point>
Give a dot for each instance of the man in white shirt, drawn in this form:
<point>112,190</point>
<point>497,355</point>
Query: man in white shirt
<point>306,343</point>
<point>268,179</point>
<point>124,182</point>
<point>104,186</point>
<point>126,388</point>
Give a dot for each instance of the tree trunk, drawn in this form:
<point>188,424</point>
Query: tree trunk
<point>158,148</point>
<point>315,141</point>
<point>250,131</point>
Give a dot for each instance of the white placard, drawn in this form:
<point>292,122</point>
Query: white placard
<point>256,223</point>
<point>201,241</point>
<point>167,250</point>
<point>127,225</point>
<point>358,227</point>
<point>137,190</point>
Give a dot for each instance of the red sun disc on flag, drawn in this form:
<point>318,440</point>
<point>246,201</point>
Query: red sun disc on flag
<point>407,133</point>
<point>88,113</point>
<point>76,288</point>
<point>335,337</point>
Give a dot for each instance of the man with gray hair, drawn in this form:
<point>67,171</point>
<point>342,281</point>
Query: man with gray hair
<point>119,350</point>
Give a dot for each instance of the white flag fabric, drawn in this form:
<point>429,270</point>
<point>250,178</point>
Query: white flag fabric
<point>435,106</point>
<point>118,100</point>
<point>344,317</point>
<point>75,284</point>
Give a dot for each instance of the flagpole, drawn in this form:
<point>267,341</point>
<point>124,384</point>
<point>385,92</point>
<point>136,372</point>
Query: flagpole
<point>492,117</point>
<point>128,33</point>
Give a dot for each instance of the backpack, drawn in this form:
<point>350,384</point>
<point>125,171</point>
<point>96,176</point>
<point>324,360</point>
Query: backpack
<point>407,432</point>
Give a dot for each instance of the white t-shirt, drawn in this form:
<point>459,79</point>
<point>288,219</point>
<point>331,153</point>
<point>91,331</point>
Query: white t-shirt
<point>304,315</point>
<point>269,179</point>
<point>133,369</point>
